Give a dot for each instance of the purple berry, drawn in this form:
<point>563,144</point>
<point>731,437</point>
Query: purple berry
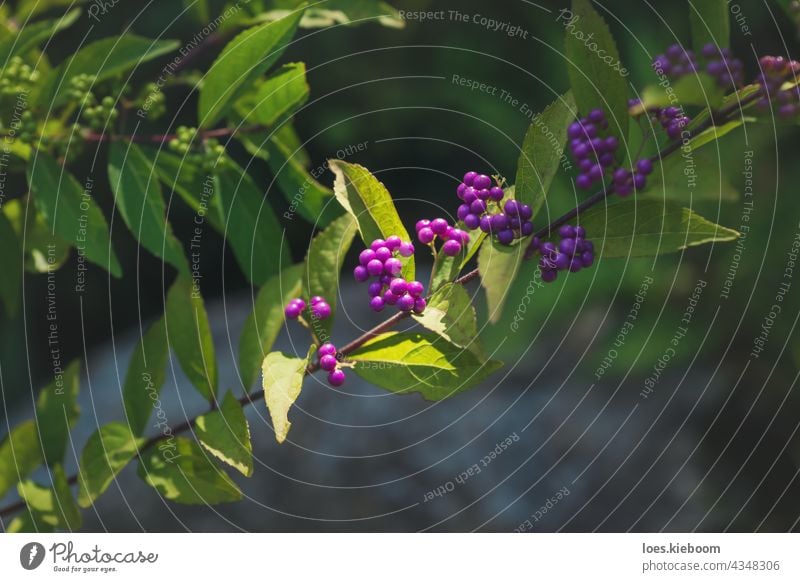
<point>567,231</point>
<point>406,249</point>
<point>415,288</point>
<point>548,276</point>
<point>583,182</point>
<point>460,190</point>
<point>511,207</point>
<point>471,221</point>
<point>406,303</point>
<point>393,242</point>
<point>328,363</point>
<point>505,237</point>
<point>460,235</point>
<point>390,298</point>
<point>477,207</point>
<point>482,182</point>
<point>451,248</point>
<point>423,224</point>
<point>383,254</point>
<point>377,304</point>
<point>361,274</point>
<point>316,299</point>
<point>469,178</point>
<point>644,166</point>
<point>375,267</point>
<point>327,349</point>
<point>375,289</point>
<point>483,194</point>
<point>336,378</point>
<point>527,228</point>
<point>499,222</point>
<point>439,226</point>
<point>462,211</point>
<point>496,194</point>
<point>470,195</point>
<point>292,311</point>
<point>425,235</point>
<point>485,224</point>
<point>393,267</point>
<point>376,244</point>
<point>366,256</point>
<point>419,305</point>
<point>398,286</point>
<point>321,310</point>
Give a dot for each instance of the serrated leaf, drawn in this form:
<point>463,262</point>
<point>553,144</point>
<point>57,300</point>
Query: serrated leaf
<point>33,33</point>
<point>243,59</point>
<point>182,472</point>
<point>141,204</point>
<point>369,202</point>
<point>450,314</point>
<point>189,335</point>
<point>57,412</point>
<point>20,455</point>
<point>406,362</point>
<point>266,320</point>
<point>277,97</point>
<point>70,212</point>
<point>499,265</point>
<point>710,23</point>
<point>45,251</point>
<point>324,261</point>
<point>195,187</point>
<point>596,74</point>
<point>251,227</point>
<point>11,259</point>
<point>282,379</point>
<point>145,376</point>
<point>706,179</point>
<point>646,228</point>
<point>543,152</point>
<point>305,195</point>
<point>106,453</point>
<point>100,59</point>
<point>348,12</point>
<point>53,506</point>
<point>226,435</point>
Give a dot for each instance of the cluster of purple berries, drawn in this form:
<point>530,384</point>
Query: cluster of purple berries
<point>320,309</point>
<point>454,238</point>
<point>775,71</point>
<point>329,362</point>
<point>628,181</point>
<point>482,209</point>
<point>388,288</point>
<point>672,119</point>
<point>573,253</point>
<point>594,153</point>
<point>677,62</point>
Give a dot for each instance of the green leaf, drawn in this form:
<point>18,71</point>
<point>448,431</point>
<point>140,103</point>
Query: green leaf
<point>251,227</point>
<point>20,455</point>
<point>698,89</point>
<point>499,265</point>
<point>54,507</point>
<point>305,195</point>
<point>139,200</point>
<point>543,152</point>
<point>225,434</point>
<point>710,23</point>
<point>405,362</point>
<point>446,269</point>
<point>346,12</point>
<point>451,315</point>
<point>324,261</point>
<point>189,335</point>
<point>645,228</point>
<point>11,259</point>
<point>596,74</point>
<point>277,97</point>
<point>369,202</point>
<point>145,376</point>
<point>45,251</point>
<point>101,59</point>
<point>71,212</point>
<point>57,412</point>
<point>188,180</point>
<point>243,60</point>
<point>266,320</point>
<point>106,453</point>
<point>184,473</point>
<point>24,523</point>
<point>32,33</point>
<point>282,381</point>
<point>706,179</point>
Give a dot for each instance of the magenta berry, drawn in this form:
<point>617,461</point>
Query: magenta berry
<point>426,235</point>
<point>415,289</point>
<point>377,304</point>
<point>336,378</point>
<point>406,302</point>
<point>451,248</point>
<point>572,253</point>
<point>327,349</point>
<point>328,363</point>
<point>321,310</point>
<point>292,311</point>
<point>375,267</point>
<point>360,274</point>
<point>387,287</point>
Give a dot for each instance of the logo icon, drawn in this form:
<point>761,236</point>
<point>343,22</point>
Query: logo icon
<point>31,555</point>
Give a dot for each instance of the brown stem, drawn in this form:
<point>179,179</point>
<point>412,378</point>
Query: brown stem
<point>721,117</point>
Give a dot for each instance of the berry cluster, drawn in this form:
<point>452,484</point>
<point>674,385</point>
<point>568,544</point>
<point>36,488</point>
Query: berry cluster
<point>26,127</point>
<point>573,253</point>
<point>678,62</point>
<point>388,288</point>
<point>152,101</point>
<point>482,209</point>
<point>672,119</point>
<point>17,77</point>
<point>320,309</point>
<point>329,363</point>
<point>99,116</point>
<point>211,158</point>
<point>454,238</point>
<point>79,89</point>
<point>627,181</point>
<point>720,64</point>
<point>594,153</point>
<point>775,71</point>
